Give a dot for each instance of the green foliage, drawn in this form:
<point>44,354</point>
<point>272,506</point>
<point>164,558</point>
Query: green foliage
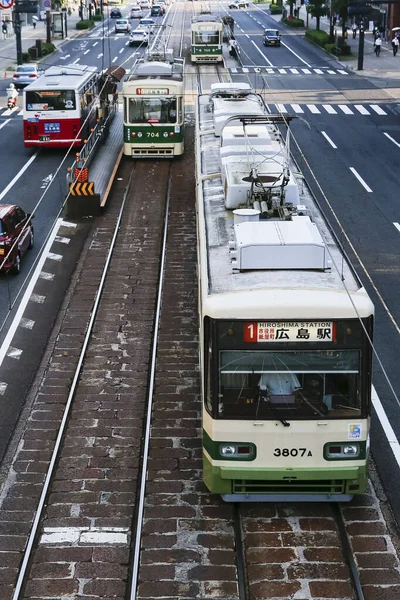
<point>339,52</point>
<point>25,57</point>
<point>321,38</point>
<point>317,9</point>
<point>275,9</point>
<point>293,22</point>
<point>97,17</point>
<point>88,24</point>
<point>47,48</point>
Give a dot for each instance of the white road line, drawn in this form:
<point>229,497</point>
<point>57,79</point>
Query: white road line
<point>95,44</point>
<point>328,139</point>
<point>361,109</point>
<point>296,55</point>
<point>87,51</point>
<point>329,109</point>
<point>122,50</point>
<point>295,71</point>
<point>14,353</point>
<point>5,123</point>
<point>62,240</point>
<point>342,72</point>
<point>306,71</point>
<point>283,71</point>
<point>262,53</point>
<point>3,387</point>
<point>297,108</point>
<point>360,179</point>
<point>378,109</point>
<point>27,323</point>
<point>281,108</point>
<point>24,168</point>
<point>114,59</point>
<point>319,71</point>
<point>397,225</point>
<point>313,109</point>
<point>68,224</point>
<point>76,61</point>
<point>331,72</point>
<point>9,111</point>
<point>391,139</point>
<point>344,108</point>
<point>100,55</point>
<point>270,70</point>
<point>233,70</point>
<point>245,70</point>
<point>386,426</point>
<point>26,297</point>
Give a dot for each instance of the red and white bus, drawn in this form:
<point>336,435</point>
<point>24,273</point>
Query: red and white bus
<point>60,107</point>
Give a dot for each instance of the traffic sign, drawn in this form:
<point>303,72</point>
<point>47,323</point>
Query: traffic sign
<point>46,3</point>
<point>6,3</point>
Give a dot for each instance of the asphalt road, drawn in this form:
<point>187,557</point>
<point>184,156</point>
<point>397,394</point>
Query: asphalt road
<point>346,141</point>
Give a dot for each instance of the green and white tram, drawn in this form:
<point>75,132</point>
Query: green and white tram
<point>153,98</point>
<point>285,324</point>
<point>207,32</point>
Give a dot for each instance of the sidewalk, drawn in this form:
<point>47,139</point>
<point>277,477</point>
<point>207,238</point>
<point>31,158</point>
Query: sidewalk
<point>29,35</point>
<point>385,68</point>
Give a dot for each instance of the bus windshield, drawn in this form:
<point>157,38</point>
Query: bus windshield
<point>49,100</point>
<point>152,110</point>
<point>289,384</point>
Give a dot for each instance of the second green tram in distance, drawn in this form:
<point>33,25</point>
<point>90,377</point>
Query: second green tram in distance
<point>207,34</point>
<point>153,99</point>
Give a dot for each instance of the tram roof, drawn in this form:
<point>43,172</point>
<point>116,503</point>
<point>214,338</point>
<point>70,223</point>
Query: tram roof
<point>65,76</point>
<point>261,286</point>
<point>207,18</point>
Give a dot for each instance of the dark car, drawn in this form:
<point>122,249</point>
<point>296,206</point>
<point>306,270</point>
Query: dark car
<point>115,13</point>
<point>157,10</point>
<point>272,37</point>
<point>16,236</point>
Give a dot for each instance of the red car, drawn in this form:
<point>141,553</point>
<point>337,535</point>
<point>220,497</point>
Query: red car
<point>16,236</point>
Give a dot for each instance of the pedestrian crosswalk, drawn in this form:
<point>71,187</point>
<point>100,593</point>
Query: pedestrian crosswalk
<point>330,109</point>
<point>297,109</point>
<point>287,71</point>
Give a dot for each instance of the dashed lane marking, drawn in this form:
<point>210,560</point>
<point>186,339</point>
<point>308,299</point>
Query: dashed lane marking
<point>54,256</point>
<point>62,240</point>
<point>27,323</point>
<point>14,353</point>
<point>38,298</point>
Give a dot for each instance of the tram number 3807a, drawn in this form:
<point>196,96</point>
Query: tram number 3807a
<point>292,452</point>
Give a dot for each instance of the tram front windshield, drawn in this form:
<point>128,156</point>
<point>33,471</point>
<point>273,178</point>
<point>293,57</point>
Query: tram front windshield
<point>152,110</point>
<point>289,385</point>
<point>210,36</point>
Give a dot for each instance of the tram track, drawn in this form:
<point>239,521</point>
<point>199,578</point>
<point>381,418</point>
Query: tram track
<point>103,372</point>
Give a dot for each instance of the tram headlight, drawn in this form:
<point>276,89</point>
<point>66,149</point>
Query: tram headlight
<point>350,450</point>
<point>238,451</point>
<point>227,450</point>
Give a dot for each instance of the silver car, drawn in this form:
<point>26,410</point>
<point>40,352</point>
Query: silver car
<point>25,74</point>
<point>122,25</point>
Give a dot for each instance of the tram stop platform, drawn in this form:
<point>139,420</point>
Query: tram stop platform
<point>88,199</point>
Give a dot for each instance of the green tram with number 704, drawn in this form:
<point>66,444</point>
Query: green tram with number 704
<point>285,323</point>
<point>153,100</point>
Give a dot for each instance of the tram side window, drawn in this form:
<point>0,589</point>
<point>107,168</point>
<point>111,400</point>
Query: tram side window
<point>206,37</point>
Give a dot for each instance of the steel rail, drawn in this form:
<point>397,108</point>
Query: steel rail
<point>347,552</point>
<point>54,456</point>
<point>242,579</point>
<point>143,475</point>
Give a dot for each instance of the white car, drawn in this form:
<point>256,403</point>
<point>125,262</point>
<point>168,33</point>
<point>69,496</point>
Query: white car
<point>136,12</point>
<point>239,4</point>
<point>122,26</point>
<point>144,4</point>
<point>139,37</point>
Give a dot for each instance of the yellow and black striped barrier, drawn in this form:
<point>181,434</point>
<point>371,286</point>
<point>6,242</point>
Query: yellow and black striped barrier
<point>82,188</point>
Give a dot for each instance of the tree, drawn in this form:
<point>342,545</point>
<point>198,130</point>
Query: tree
<point>317,10</point>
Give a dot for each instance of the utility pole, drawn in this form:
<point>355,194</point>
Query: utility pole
<point>360,64</point>
<point>17,29</point>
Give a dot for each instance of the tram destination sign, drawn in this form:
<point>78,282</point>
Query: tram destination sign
<point>152,91</point>
<point>285,331</point>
